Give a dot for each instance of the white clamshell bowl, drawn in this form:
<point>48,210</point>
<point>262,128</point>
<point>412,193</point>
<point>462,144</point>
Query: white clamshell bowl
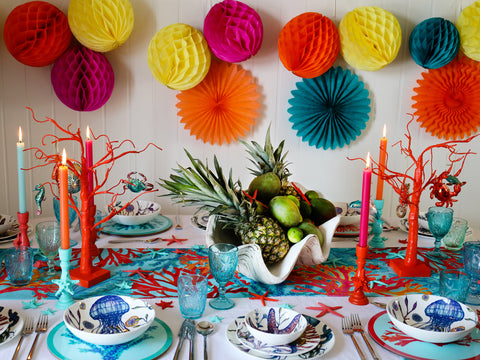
<point>431,318</point>
<point>109,319</point>
<point>137,213</point>
<point>307,251</point>
<point>275,325</point>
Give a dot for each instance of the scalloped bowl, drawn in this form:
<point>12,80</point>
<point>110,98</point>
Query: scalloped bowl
<point>6,222</point>
<point>275,325</point>
<point>109,319</point>
<point>431,318</point>
<point>307,251</point>
<point>137,213</point>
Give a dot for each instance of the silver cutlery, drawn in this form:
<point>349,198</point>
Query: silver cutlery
<point>122,241</point>
<point>191,336</point>
<point>205,328</point>
<point>347,329</point>
<point>27,330</point>
<point>42,326</point>
<point>357,326</point>
<point>187,330</point>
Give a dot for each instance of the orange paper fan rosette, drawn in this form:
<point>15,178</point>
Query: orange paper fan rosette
<point>448,99</point>
<point>222,107</point>
<point>308,45</point>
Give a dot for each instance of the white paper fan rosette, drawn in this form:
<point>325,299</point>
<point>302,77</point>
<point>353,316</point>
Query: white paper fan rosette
<point>330,110</point>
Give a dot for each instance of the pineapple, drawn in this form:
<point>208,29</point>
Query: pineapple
<point>267,160</point>
<point>213,192</point>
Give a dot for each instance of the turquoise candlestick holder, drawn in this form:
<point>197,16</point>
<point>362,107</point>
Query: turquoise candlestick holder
<point>65,283</point>
<point>377,241</point>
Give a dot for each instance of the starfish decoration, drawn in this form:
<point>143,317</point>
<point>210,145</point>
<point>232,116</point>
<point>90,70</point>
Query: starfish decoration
<point>334,261</point>
<point>372,282</point>
<point>324,309</point>
<point>263,298</point>
<point>49,311</point>
<point>287,306</point>
<point>124,285</point>
<point>142,273</point>
<point>155,252</point>
<point>165,304</point>
<point>174,240</point>
<point>31,304</point>
<point>395,256</point>
<point>64,285</point>
<point>216,319</point>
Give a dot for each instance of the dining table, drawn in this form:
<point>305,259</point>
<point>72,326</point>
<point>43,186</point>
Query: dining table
<point>146,269</point>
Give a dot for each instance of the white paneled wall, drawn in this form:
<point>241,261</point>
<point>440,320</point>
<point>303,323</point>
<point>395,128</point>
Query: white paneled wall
<point>142,109</point>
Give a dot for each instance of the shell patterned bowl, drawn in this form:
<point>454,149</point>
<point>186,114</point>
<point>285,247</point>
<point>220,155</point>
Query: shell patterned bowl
<point>349,214</point>
<point>137,213</point>
<point>307,251</point>
<point>431,318</point>
<point>6,222</point>
<point>275,325</point>
<point>109,320</point>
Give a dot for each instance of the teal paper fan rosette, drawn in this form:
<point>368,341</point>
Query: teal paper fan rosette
<point>330,110</point>
<point>434,43</point>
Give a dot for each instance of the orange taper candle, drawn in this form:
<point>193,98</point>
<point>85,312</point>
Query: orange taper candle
<point>64,218</point>
<point>382,162</point>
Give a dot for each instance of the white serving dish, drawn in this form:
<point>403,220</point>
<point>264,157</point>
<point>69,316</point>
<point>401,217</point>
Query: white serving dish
<point>275,325</point>
<point>6,222</point>
<point>137,213</point>
<point>431,318</point>
<point>348,216</point>
<point>109,319</point>
<point>307,251</point>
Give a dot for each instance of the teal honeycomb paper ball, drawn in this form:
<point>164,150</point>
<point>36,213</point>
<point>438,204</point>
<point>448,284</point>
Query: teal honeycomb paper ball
<point>330,110</point>
<point>434,43</point>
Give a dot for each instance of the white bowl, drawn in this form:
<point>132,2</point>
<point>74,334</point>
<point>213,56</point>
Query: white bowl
<point>422,220</point>
<point>6,222</point>
<point>137,213</point>
<point>109,319</point>
<point>348,215</point>
<point>275,325</point>
<point>431,318</point>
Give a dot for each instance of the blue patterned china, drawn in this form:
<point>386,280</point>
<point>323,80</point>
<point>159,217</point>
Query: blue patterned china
<point>148,346</point>
<point>109,319</point>
<point>390,338</point>
<point>158,224</point>
<point>431,318</point>
<point>15,324</point>
<point>275,325</point>
<point>326,343</point>
<point>136,213</point>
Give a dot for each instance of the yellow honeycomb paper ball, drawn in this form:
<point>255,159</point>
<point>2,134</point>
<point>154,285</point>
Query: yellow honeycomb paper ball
<point>468,25</point>
<point>101,25</point>
<point>178,56</point>
<point>370,38</point>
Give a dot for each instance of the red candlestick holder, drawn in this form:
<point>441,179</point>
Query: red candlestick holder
<point>22,237</point>
<point>360,280</point>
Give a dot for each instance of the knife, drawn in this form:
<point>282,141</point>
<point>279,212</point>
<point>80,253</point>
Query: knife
<point>181,334</point>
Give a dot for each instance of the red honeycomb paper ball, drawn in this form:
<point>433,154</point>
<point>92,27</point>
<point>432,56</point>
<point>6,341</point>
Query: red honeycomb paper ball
<point>37,33</point>
<point>308,45</point>
<point>83,79</point>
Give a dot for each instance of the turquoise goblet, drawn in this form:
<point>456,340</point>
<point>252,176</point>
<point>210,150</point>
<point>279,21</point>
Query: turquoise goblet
<point>222,259</point>
<point>72,214</point>
<point>439,223</point>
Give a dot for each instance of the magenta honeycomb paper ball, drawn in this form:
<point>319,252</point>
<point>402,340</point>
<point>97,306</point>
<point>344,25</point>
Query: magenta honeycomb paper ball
<point>83,79</point>
<point>233,30</point>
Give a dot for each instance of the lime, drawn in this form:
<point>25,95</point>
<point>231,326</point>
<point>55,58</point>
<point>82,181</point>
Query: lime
<point>295,234</point>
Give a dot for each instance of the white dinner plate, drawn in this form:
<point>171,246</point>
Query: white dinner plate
<point>326,343</point>
<point>15,325</point>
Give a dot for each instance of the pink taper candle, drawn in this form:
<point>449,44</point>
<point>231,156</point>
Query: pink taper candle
<point>89,159</point>
<point>381,163</point>
<point>64,216</point>
<point>365,211</point>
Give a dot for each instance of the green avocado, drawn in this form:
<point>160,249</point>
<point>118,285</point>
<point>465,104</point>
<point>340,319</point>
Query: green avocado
<point>309,228</point>
<point>322,211</point>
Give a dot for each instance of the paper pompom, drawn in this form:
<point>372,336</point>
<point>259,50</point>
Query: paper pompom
<point>101,25</point>
<point>330,111</point>
<point>434,43</point>
<point>82,79</point>
<point>309,44</point>
<point>233,30</point>
<point>370,38</point>
<point>468,25</point>
<point>222,107</point>
<point>448,99</point>
<point>36,33</point>
<point>178,56</point>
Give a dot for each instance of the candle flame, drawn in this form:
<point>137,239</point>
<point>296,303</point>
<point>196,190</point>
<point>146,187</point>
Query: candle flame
<point>64,157</point>
<point>88,132</point>
<point>367,160</point>
<point>384,130</point>
<point>20,137</point>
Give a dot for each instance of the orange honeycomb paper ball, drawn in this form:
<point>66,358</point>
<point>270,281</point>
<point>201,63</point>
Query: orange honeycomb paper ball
<point>468,25</point>
<point>37,33</point>
<point>222,107</point>
<point>308,45</point>
<point>370,38</point>
<point>448,99</point>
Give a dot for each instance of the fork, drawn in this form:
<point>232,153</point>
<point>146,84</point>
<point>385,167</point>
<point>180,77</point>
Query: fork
<point>347,329</point>
<point>191,332</point>
<point>357,326</point>
<point>27,330</point>
<point>42,325</point>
